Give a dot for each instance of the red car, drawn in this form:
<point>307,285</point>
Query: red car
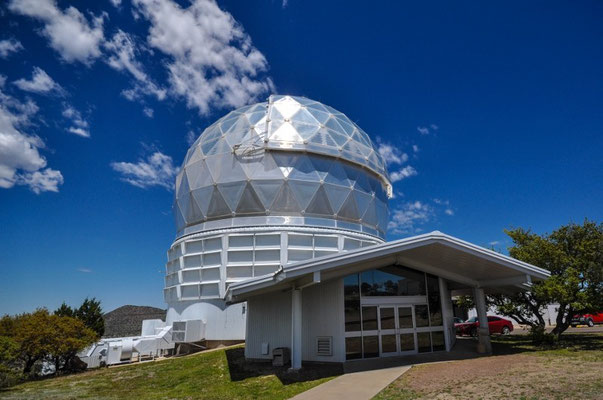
<point>587,319</point>
<point>495,324</point>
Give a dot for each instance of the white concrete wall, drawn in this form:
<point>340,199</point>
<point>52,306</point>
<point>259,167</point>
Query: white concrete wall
<point>323,315</point>
<point>221,322</point>
<point>269,321</point>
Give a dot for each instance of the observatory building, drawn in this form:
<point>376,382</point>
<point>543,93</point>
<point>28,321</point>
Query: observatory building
<point>281,210</point>
<point>265,186</point>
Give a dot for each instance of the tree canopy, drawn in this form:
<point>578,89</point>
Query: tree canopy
<point>573,254</point>
<point>91,313</point>
<point>27,340</point>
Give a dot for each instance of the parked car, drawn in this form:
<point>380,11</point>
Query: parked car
<point>458,320</point>
<point>587,319</point>
<point>495,324</point>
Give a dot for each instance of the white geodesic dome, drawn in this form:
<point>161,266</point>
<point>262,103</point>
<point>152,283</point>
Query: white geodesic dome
<point>289,156</point>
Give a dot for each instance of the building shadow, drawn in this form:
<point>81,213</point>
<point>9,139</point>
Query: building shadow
<point>465,348</point>
<point>522,343</point>
<point>240,369</point>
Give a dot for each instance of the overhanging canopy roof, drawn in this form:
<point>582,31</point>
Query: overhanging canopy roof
<point>463,264</point>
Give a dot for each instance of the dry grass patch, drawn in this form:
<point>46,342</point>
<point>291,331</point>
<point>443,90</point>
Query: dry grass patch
<point>574,369</point>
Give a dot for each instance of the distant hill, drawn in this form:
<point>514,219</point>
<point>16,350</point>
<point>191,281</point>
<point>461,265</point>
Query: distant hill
<point>127,320</point>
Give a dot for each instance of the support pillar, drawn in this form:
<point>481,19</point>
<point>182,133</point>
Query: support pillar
<point>296,328</point>
<point>447,314</point>
<point>483,334</point>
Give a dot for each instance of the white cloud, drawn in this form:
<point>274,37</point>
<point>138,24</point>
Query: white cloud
<point>84,270</point>
<point>20,160</point>
<point>122,57</point>
<point>70,33</point>
<point>391,154</point>
<point>212,62</point>
<point>47,180</point>
<point>426,130</point>
<point>403,173</point>
<point>191,136</point>
<point>79,124</point>
<point>8,46</point>
<point>157,170</point>
<point>494,243</point>
<point>40,83</point>
<point>415,148</point>
<point>79,131</point>
<point>148,112</point>
<point>209,60</point>
<point>407,218</point>
<point>446,204</point>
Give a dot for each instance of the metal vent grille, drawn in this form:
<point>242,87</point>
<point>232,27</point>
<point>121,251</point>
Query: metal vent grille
<point>179,326</point>
<point>324,345</point>
<point>178,336</point>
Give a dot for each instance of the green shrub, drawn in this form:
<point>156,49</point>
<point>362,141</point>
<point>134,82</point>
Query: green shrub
<point>539,336</point>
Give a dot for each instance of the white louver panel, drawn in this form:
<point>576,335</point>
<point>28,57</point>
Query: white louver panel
<point>324,345</point>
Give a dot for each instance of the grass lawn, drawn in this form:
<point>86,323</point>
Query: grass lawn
<point>220,374</point>
<point>517,370</point>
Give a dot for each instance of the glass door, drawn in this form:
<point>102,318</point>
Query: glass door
<point>387,331</point>
<point>407,329</point>
<point>370,331</point>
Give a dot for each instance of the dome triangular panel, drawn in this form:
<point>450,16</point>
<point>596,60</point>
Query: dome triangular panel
<point>250,202</point>
<point>320,204</point>
<point>285,201</point>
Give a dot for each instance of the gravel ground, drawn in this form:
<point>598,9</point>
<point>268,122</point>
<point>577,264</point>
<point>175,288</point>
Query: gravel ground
<point>517,370</point>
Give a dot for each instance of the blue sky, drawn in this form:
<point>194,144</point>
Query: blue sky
<point>490,116</point>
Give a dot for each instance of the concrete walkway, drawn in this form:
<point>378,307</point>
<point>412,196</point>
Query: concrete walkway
<point>363,379</point>
<point>355,386</point>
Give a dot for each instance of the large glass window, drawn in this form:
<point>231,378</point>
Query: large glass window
<point>353,348</point>
<point>437,339</point>
<point>371,346</point>
<point>352,303</point>
<point>369,318</point>
<point>424,341</point>
<point>387,317</point>
<point>421,315</point>
<point>393,281</point>
<point>407,342</point>
<point>388,343</point>
<point>405,317</point>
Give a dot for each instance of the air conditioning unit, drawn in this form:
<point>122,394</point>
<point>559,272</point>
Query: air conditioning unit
<point>189,331</point>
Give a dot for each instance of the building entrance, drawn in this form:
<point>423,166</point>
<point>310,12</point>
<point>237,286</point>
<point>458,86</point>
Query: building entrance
<point>392,311</point>
<point>395,330</point>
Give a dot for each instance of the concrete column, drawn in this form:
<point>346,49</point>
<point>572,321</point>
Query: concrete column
<point>484,345</point>
<point>296,329</point>
<point>447,314</point>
